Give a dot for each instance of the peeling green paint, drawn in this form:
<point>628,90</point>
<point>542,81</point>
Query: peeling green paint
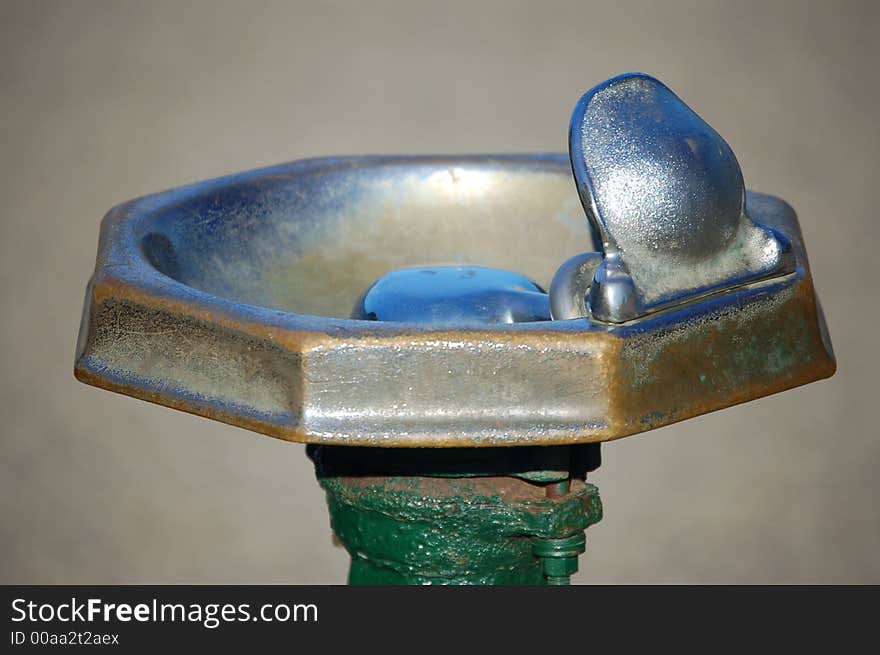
<point>420,530</point>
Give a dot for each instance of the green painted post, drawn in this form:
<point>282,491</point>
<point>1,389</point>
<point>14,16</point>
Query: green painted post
<point>442,529</point>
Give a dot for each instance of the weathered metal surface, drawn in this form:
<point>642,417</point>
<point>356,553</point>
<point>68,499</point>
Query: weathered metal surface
<point>415,529</point>
<point>665,197</point>
<point>227,299</point>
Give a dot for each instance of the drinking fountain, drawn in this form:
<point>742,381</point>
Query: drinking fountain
<point>455,336</point>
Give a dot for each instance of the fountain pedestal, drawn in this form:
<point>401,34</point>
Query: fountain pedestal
<point>417,523</point>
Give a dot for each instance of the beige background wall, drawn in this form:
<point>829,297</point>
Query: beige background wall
<point>104,101</point>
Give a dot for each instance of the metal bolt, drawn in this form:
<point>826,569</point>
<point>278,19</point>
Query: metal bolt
<point>560,557</point>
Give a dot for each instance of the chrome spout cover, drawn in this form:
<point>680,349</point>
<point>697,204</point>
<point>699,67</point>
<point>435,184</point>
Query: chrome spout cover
<point>665,198</point>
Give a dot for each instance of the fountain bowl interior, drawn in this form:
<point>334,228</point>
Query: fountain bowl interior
<point>232,299</point>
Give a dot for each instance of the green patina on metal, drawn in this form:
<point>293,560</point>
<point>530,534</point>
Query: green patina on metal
<point>414,529</point>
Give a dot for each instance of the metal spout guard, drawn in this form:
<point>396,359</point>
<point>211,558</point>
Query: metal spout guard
<point>665,198</point>
<point>230,298</point>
